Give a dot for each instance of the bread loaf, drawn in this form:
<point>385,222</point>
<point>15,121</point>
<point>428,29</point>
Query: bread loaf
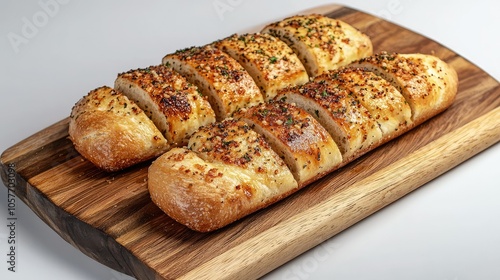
<point>237,72</point>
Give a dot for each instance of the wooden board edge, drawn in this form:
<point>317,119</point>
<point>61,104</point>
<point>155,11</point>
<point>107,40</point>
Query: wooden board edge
<point>58,220</point>
<point>383,187</point>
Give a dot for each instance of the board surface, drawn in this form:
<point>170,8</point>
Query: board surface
<point>110,217</point>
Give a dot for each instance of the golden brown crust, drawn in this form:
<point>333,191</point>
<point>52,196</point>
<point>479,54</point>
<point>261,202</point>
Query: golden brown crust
<point>321,43</point>
<point>296,136</point>
<point>176,107</point>
<point>271,63</point>
<point>112,132</point>
<point>428,84</point>
<point>201,195</point>
<point>220,77</point>
<point>227,172</point>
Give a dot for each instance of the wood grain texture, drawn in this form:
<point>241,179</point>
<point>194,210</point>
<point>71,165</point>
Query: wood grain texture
<point>110,217</point>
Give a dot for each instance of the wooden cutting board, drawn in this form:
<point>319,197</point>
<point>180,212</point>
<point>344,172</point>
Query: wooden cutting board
<point>110,217</point>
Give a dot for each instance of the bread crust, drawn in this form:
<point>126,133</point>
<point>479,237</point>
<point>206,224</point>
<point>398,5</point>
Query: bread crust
<point>112,132</point>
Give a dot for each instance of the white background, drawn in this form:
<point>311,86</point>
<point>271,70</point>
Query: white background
<point>448,229</point>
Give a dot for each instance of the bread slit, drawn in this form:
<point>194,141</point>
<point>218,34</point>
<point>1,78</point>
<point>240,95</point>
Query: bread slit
<point>272,64</point>
<point>175,106</point>
<point>385,103</point>
<point>226,83</point>
<point>306,147</point>
<point>349,123</point>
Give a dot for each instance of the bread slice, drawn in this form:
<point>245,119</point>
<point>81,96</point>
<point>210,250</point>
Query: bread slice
<point>226,172</point>
<point>349,123</point>
<point>226,83</point>
<point>297,137</point>
<point>384,102</point>
<point>271,63</point>
<point>112,132</point>
<point>428,83</point>
<point>322,43</point>
<point>176,107</point>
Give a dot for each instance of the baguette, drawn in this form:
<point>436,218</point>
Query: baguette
<point>322,43</point>
<point>112,132</point>
<point>334,98</point>
<point>220,77</point>
<point>176,107</point>
<point>271,63</point>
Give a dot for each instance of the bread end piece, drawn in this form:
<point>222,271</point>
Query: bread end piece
<point>193,192</point>
<point>112,132</point>
<point>207,195</point>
